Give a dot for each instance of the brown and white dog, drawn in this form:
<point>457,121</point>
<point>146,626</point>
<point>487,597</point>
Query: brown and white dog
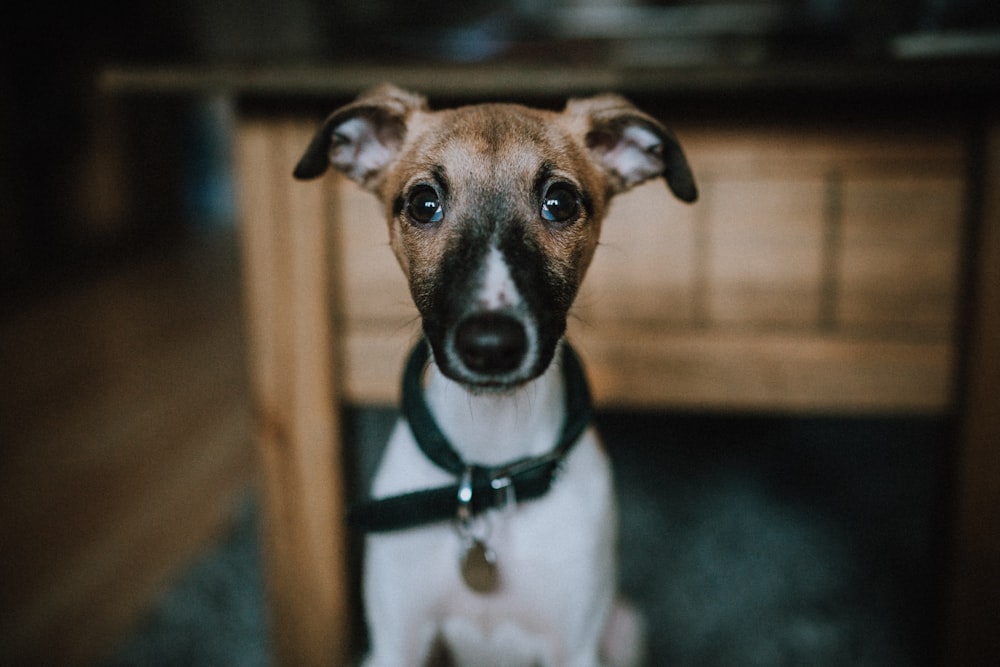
<point>476,553</point>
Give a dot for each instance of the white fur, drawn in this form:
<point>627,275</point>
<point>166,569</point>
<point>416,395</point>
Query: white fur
<point>556,554</point>
<point>635,158</point>
<point>357,150</point>
<point>498,290</point>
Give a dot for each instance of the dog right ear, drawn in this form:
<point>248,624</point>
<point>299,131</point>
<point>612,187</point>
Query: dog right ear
<point>630,146</point>
<point>363,138</point>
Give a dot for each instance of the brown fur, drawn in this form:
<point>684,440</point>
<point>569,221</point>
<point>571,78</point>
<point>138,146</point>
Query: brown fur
<point>505,157</point>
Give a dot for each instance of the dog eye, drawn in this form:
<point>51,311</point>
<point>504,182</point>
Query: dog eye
<point>425,206</point>
<point>559,204</point>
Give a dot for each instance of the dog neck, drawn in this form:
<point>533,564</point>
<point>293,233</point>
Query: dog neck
<point>492,444</point>
<point>490,429</point>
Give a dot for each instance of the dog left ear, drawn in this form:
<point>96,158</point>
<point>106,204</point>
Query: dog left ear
<point>363,138</point>
<point>631,146</point>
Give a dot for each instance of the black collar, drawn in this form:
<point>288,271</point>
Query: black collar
<point>491,487</point>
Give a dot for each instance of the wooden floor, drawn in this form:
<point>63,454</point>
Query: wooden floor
<point>125,429</point>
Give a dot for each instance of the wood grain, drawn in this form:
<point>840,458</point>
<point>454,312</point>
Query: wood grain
<point>765,251</point>
<point>126,436</point>
<point>287,281</point>
<point>777,372</point>
<point>900,253</point>
<point>973,603</point>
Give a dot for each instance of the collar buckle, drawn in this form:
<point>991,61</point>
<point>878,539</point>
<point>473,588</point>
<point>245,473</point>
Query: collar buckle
<point>504,493</point>
<point>463,509</point>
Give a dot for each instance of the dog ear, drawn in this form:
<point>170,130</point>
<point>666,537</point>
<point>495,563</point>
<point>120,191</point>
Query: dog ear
<point>362,138</point>
<point>631,146</point>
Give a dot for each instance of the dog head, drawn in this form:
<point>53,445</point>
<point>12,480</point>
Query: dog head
<point>494,212</point>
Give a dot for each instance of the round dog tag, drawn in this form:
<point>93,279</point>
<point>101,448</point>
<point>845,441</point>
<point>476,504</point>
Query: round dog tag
<point>479,568</point>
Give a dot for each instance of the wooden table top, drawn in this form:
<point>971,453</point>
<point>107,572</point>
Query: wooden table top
<point>936,78</point>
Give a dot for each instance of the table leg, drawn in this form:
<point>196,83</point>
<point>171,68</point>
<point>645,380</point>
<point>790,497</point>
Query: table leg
<point>974,588</point>
<point>292,341</point>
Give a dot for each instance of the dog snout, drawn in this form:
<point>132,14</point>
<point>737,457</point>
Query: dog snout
<point>491,343</point>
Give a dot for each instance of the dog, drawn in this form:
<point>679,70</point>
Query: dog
<point>491,534</point>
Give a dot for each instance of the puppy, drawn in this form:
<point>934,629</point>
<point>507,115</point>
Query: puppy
<point>491,533</point>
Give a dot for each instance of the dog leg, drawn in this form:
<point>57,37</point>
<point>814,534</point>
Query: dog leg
<point>624,640</point>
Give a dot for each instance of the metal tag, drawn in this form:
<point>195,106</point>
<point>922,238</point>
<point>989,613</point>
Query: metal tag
<point>479,568</point>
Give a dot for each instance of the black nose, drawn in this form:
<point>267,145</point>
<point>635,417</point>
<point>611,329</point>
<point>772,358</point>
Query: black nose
<point>491,343</point>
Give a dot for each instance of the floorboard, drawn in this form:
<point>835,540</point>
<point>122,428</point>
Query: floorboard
<point>126,443</point>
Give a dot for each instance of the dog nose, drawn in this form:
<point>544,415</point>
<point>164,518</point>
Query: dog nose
<point>491,343</point>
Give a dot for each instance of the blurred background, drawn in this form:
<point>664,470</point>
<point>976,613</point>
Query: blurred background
<point>55,127</point>
<point>813,531</point>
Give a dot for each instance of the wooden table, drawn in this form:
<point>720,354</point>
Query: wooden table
<point>841,261</point>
